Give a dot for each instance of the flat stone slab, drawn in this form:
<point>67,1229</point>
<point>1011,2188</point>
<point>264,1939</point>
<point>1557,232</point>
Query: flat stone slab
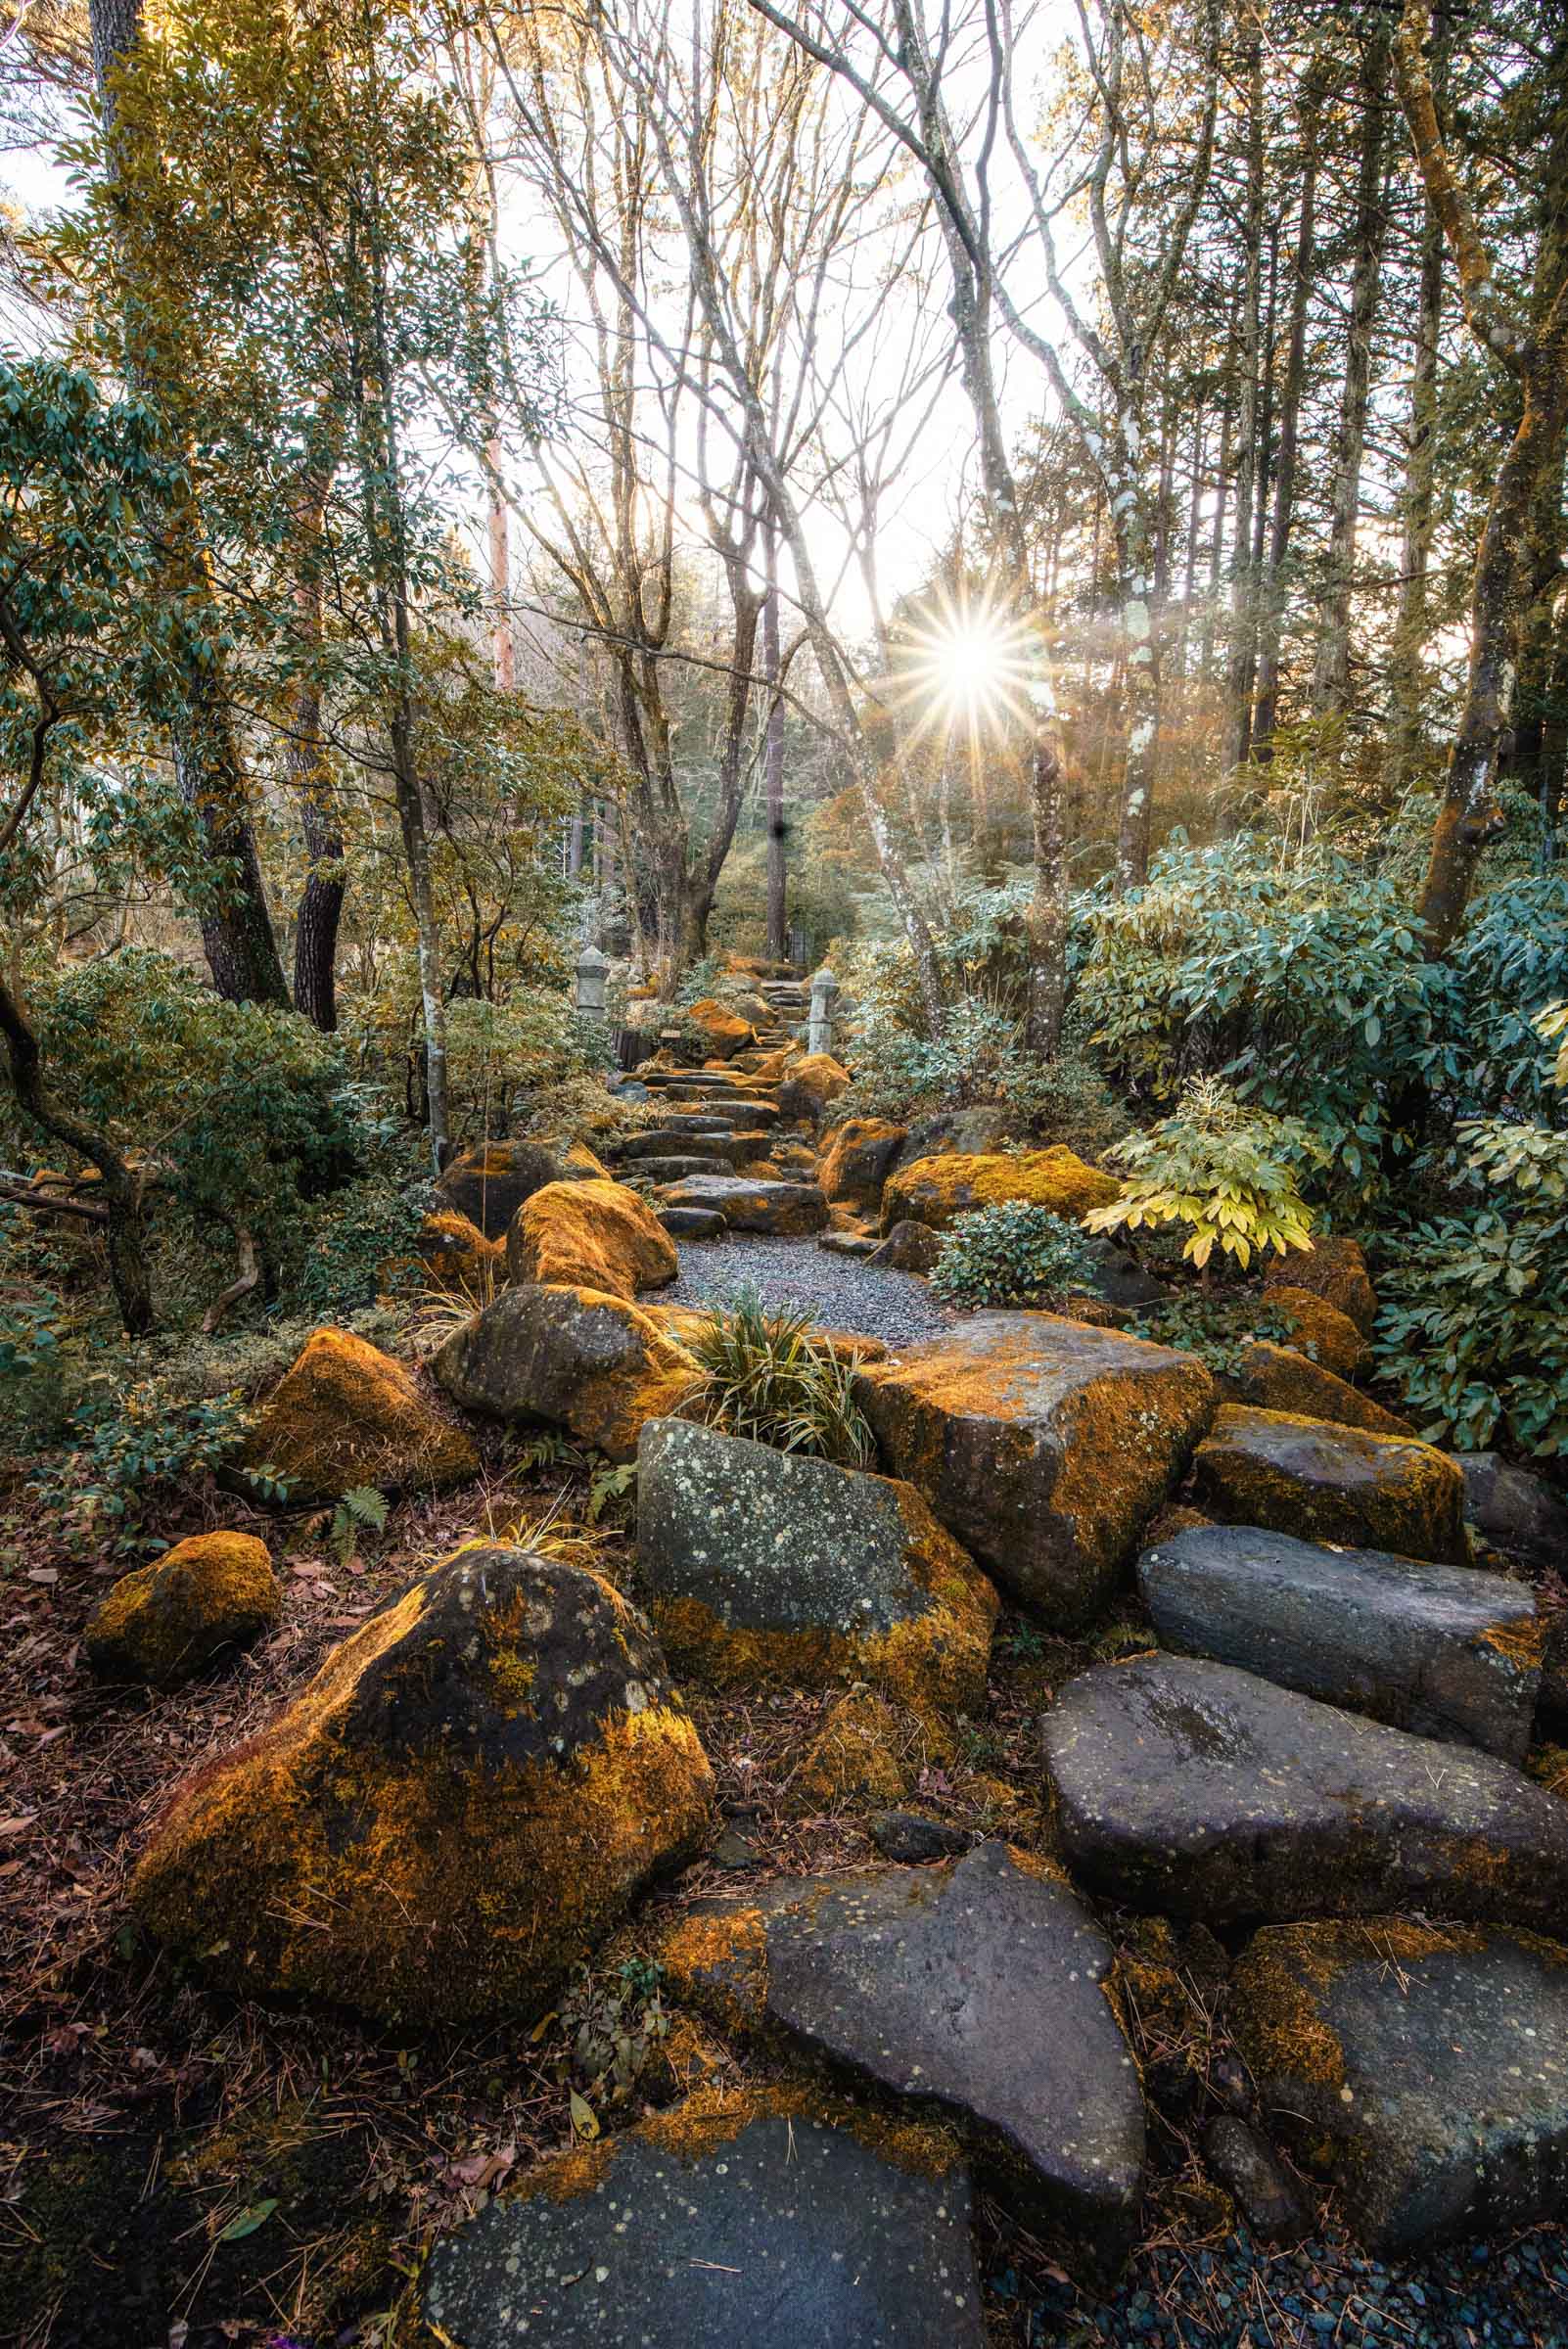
<point>1043,1443</point>
<point>784,2234</point>
<point>676,1141</point>
<point>1193,1789</point>
<point>692,1223</point>
<point>978,1986</point>
<point>1444,1650</point>
<point>1331,1483</point>
<point>1425,2068</point>
<point>791,1209</point>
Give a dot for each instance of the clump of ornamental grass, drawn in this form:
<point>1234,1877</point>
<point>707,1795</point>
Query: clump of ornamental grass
<point>767,1378</point>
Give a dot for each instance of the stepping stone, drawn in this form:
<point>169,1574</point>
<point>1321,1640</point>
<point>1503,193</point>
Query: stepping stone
<point>1444,1650</point>
<point>692,1223</point>
<point>1192,1789</point>
<point>790,1209</point>
<point>766,1568</point>
<point>685,2235</point>
<point>1046,1446</point>
<point>849,1243</point>
<point>1425,2068</point>
<point>977,1985</point>
<point>670,1141</point>
<point>669,1169</point>
<point>1331,1483</point>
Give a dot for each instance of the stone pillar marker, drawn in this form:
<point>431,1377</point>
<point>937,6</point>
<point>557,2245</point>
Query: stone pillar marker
<point>592,971</point>
<point>824,995</point>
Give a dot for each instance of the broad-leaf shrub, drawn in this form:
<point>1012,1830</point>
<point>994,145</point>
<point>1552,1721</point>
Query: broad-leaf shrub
<point>1012,1253</point>
<point>1303,984</point>
<point>1474,1318</point>
<point>235,1110</point>
<point>1222,1171</point>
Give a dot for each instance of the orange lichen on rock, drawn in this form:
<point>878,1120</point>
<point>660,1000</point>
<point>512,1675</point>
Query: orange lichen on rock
<point>1331,1483</point>
<point>457,1255</point>
<point>569,1357</point>
<point>723,1031</point>
<point>1276,1378</point>
<point>865,1754</point>
<point>489,1182</point>
<point>809,1083</point>
<point>165,1622</point>
<point>936,1191</point>
<point>1319,1329</point>
<point>716,1959</point>
<point>1334,1269</point>
<point>857,1160</point>
<point>346,1415</point>
<point>471,1790</point>
<point>591,1236</point>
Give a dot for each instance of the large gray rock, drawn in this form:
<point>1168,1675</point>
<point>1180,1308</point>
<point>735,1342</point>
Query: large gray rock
<point>1196,1790</point>
<point>755,1203</point>
<point>1444,1650</point>
<point>978,1986</point>
<point>1045,1445</point>
<point>783,2235</point>
<point>760,1565</point>
<point>1331,1483</point>
<point>1514,1510</point>
<point>1426,2070</point>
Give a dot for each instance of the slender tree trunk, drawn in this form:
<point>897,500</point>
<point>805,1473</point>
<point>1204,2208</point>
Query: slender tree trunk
<point>1406,669</point>
<point>1221,492</point>
<point>1271,594</point>
<point>1047,913</point>
<point>773,761</point>
<point>1142,647</point>
<point>1243,581</point>
<point>315,940</point>
<point>1331,673</point>
<point>236,935</point>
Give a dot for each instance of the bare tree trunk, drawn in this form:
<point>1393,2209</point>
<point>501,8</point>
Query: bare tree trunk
<point>1331,677</point>
<point>1271,592</point>
<point>1243,581</point>
<point>1047,913</point>
<point>774,761</point>
<point>1405,668</point>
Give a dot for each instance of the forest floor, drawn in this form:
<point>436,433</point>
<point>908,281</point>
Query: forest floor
<point>179,2170</point>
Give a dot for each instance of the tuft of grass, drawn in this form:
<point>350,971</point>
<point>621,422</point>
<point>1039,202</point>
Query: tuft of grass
<point>765,1377</point>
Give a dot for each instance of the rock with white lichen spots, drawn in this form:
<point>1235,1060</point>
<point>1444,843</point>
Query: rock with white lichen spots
<point>470,1792</point>
<point>703,2230</point>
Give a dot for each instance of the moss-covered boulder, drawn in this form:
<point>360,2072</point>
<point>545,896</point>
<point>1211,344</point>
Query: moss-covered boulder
<point>489,1183</point>
<point>810,1083</point>
<point>938,1191</point>
<point>574,1358</point>
<point>591,1236</point>
<point>720,1032</point>
<point>346,1414</point>
<point>472,1790</point>
<point>1319,1329</point>
<point>457,1255</point>
<point>909,1247</point>
<point>1332,1484</point>
<point>1045,1446</point>
<point>867,1753</point>
<point>857,1161</point>
<point>1334,1269</point>
<point>764,1568</point>
<point>1276,1378</point>
<point>1422,2068</point>
<point>167,1622</point>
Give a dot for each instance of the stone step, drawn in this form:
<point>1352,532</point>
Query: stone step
<point>1424,2067</point>
<point>1445,1651</point>
<point>692,1223</point>
<point>1192,1789</point>
<point>1330,1483</point>
<point>978,1986</point>
<point>788,1210</point>
<point>781,2232</point>
<point>728,1148</point>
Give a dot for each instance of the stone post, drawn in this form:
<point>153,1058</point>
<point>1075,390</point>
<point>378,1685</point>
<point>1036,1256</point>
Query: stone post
<point>824,995</point>
<point>592,970</point>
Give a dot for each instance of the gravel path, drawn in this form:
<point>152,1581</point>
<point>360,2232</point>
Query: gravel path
<point>798,1276</point>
